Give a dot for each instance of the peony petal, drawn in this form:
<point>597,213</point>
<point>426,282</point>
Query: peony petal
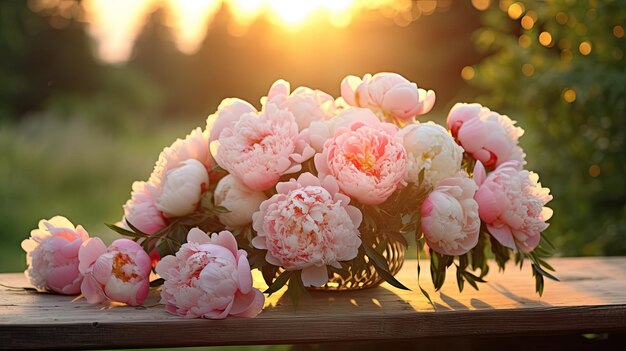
<point>166,264</point>
<point>71,250</point>
<point>140,293</point>
<point>248,305</point>
<point>196,235</point>
<point>120,291</point>
<point>427,101</point>
<point>355,215</point>
<point>480,174</point>
<point>102,268</point>
<point>503,234</point>
<point>60,222</point>
<point>243,272</point>
<point>29,245</point>
<point>280,88</point>
<point>225,239</point>
<point>217,314</point>
<point>546,213</point>
<point>314,276</point>
<point>348,89</point>
<point>259,242</point>
<point>89,252</point>
<point>92,290</point>
<point>60,277</point>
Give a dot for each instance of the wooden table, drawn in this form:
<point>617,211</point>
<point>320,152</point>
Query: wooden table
<point>591,298</point>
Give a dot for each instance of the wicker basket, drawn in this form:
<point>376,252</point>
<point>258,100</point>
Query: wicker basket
<point>367,277</point>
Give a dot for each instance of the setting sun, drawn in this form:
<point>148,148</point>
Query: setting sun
<point>115,23</point>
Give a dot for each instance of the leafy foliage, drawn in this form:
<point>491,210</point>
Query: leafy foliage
<point>559,69</point>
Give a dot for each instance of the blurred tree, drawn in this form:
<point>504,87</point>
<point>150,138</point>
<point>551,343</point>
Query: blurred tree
<point>16,21</point>
<point>558,67</point>
<point>45,51</point>
<point>157,57</point>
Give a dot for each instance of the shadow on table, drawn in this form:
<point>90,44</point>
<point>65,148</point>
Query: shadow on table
<point>366,300</point>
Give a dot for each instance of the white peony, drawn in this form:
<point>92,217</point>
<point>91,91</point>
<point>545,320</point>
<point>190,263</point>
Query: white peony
<point>432,149</point>
<point>240,200</point>
<point>182,188</point>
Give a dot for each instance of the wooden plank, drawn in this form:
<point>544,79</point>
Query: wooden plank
<point>591,297</point>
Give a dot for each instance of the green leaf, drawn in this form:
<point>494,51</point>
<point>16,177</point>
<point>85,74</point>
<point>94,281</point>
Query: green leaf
<point>438,265</point>
<point>473,277</point>
<point>537,267</point>
<point>538,281</point>
<point>279,282</point>
<point>382,268</point>
<point>501,253</point>
<point>545,264</point>
<point>269,273</point>
<point>125,232</point>
<point>424,292</point>
<point>157,282</point>
<point>459,278</point>
<point>135,229</point>
<point>220,210</point>
<point>389,278</point>
<point>546,274</point>
<point>296,289</point>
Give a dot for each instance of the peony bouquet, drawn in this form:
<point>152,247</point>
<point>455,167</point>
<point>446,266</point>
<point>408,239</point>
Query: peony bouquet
<point>316,193</point>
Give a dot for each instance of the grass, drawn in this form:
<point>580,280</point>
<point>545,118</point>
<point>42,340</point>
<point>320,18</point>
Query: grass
<point>75,168</point>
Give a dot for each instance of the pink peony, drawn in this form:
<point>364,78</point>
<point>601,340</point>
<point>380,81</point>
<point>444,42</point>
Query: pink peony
<point>366,157</point>
<point>306,105</point>
<point>152,201</point>
<point>194,146</point>
<point>258,149</point>
<point>430,149</point>
<point>387,94</point>
<point>141,210</point>
<point>511,203</point>
<point>52,255</point>
<point>308,225</point>
<point>238,199</point>
<point>488,136</point>
<point>450,219</point>
<point>320,131</point>
<point>228,113</point>
<point>209,278</point>
<point>118,273</point>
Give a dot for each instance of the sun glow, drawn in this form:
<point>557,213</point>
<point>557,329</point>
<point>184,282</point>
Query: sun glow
<point>116,23</point>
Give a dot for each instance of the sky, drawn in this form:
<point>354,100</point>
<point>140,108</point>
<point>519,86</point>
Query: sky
<point>116,23</point>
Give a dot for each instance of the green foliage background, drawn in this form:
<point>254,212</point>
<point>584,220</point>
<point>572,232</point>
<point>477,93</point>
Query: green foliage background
<point>577,147</point>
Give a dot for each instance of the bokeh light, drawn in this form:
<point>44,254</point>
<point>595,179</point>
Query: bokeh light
<point>516,10</point>
<point>545,39</point>
<point>481,5</point>
<point>524,41</point>
<point>569,95</point>
<point>562,18</point>
<point>594,171</point>
<point>467,73</point>
<point>527,22</point>
<point>585,48</point>
<point>528,69</point>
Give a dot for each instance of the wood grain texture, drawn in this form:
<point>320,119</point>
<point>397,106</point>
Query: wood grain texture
<point>591,297</point>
